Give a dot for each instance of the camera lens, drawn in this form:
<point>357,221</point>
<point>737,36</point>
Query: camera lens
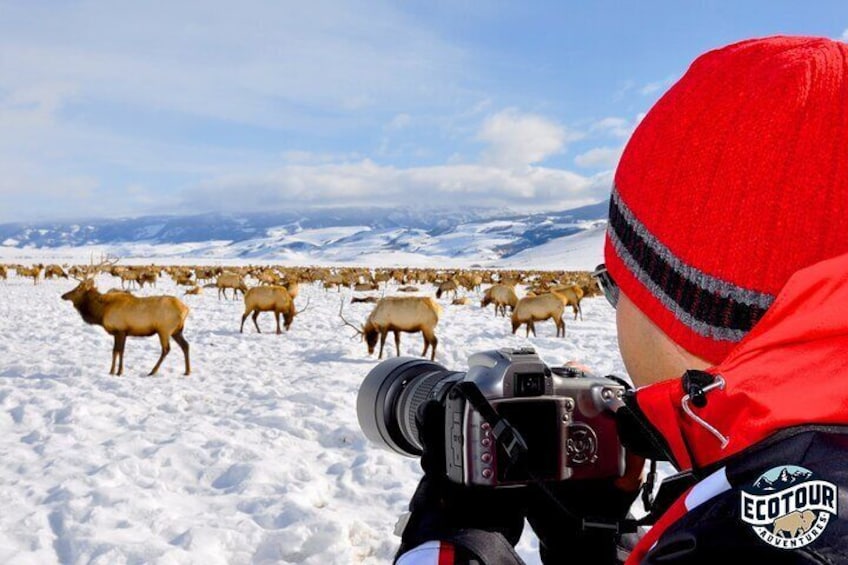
<point>390,395</point>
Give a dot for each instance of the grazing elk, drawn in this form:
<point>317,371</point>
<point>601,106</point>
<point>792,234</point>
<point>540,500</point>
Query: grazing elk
<point>270,298</point>
<point>230,280</point>
<point>149,276</point>
<point>531,309</point>
<point>447,287</point>
<point>123,315</point>
<point>400,314</point>
<point>502,296</point>
<point>51,271</point>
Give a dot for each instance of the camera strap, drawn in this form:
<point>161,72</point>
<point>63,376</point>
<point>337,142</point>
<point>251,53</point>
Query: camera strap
<point>516,449</point>
<point>506,435</point>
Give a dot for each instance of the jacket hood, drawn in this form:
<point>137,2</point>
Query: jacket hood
<point>791,369</point>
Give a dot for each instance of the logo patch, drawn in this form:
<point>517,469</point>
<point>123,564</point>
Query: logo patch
<point>788,507</point>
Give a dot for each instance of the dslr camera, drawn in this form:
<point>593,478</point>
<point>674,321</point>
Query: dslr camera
<point>563,416</point>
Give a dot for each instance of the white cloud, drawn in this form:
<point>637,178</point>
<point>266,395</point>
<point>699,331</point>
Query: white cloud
<point>616,127</point>
<point>600,157</point>
<point>371,184</point>
<point>516,139</point>
<point>844,36</point>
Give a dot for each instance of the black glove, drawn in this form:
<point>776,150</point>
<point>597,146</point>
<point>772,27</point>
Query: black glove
<point>561,538</point>
<point>440,508</point>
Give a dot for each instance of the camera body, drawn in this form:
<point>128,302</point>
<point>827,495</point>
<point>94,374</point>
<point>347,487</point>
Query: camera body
<point>564,416</point>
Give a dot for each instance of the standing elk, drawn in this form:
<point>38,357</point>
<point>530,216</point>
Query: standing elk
<point>33,272</point>
<point>230,280</point>
<point>3,272</point>
<point>502,296</point>
<point>270,298</point>
<point>571,296</point>
<point>400,314</point>
<point>123,315</point>
<point>531,309</point>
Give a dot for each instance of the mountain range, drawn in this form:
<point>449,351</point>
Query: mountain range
<point>339,235</point>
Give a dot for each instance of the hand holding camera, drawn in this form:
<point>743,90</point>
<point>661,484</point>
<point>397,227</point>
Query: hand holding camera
<point>561,418</point>
<point>509,422</point>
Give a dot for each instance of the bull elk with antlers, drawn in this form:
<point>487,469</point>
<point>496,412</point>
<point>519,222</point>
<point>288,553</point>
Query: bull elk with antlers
<point>400,314</point>
<point>123,315</point>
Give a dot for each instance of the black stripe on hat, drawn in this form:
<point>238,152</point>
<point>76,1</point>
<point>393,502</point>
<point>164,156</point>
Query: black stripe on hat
<point>711,307</point>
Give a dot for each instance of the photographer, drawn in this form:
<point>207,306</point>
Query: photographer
<point>726,259</point>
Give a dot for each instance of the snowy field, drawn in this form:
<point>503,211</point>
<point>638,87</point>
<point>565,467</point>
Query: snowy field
<point>256,457</point>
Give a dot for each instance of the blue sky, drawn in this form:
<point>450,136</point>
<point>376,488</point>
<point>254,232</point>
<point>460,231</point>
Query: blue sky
<point>114,109</point>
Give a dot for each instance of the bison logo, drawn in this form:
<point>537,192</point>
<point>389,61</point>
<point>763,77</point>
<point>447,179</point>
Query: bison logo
<point>788,507</point>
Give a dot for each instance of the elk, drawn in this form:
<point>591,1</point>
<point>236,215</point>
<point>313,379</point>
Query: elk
<point>364,287</point>
<point>230,280</point>
<point>400,314</point>
<point>30,272</point>
<point>3,272</point>
<point>123,315</point>
<point>408,289</point>
<point>571,295</point>
<point>270,298</point>
<point>531,309</point>
<point>147,277</point>
<point>369,299</point>
<point>502,296</point>
<point>464,301</point>
<point>194,290</point>
<point>446,287</point>
<point>54,271</point>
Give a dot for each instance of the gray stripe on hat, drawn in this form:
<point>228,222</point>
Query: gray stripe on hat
<point>698,326</point>
<point>699,278</point>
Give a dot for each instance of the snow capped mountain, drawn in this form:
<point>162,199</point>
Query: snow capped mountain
<point>785,478</point>
<point>354,235</point>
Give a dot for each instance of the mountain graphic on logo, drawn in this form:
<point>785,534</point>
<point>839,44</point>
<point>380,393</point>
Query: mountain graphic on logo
<point>785,478</point>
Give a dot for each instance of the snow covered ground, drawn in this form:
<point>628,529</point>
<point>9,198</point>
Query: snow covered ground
<point>257,457</point>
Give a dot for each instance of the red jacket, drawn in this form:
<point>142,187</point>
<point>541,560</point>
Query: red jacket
<point>790,370</point>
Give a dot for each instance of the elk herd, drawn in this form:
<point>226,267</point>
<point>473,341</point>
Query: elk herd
<point>273,289</point>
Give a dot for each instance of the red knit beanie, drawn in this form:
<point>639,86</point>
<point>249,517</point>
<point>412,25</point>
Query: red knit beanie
<point>736,178</point>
